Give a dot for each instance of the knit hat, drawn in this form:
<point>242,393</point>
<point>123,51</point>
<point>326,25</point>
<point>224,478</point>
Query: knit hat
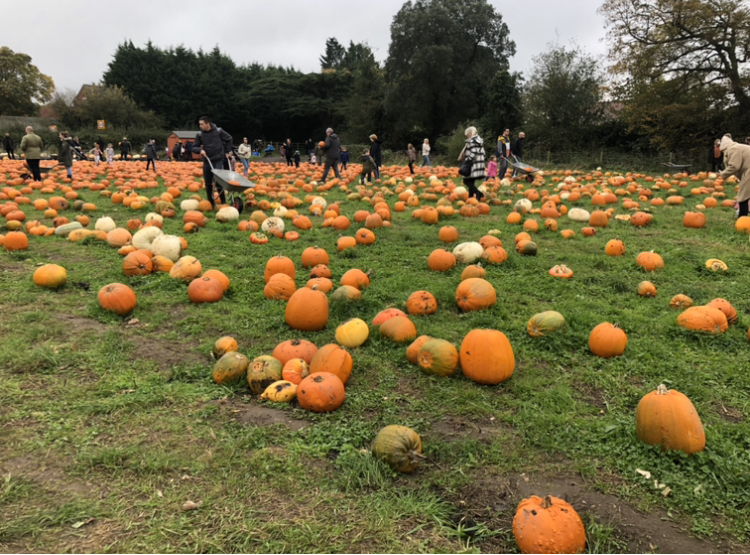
<point>726,142</point>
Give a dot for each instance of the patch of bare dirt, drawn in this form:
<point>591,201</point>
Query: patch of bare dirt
<point>48,473</point>
<point>493,500</point>
<point>165,353</point>
<point>93,537</point>
<point>454,428</point>
<point>729,413</point>
<point>590,395</point>
<point>260,416</point>
<point>79,324</point>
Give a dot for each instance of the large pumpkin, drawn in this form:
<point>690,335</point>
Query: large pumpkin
<point>438,357</point>
<point>549,525</point>
<point>475,294</point>
<point>50,276</point>
<point>668,418</point>
<point>117,298</point>
<point>307,310</point>
<point>321,392</point>
<point>399,447</point>
<point>279,265</point>
<point>334,359</point>
<point>607,340</point>
<point>398,329</point>
<point>486,356</point>
<point>295,348</point>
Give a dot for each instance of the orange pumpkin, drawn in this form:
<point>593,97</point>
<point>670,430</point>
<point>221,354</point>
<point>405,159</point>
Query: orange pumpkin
<point>486,356</point>
<point>321,392</point>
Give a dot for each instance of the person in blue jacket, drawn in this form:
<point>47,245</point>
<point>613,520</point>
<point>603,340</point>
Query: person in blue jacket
<point>214,144</point>
<point>343,157</point>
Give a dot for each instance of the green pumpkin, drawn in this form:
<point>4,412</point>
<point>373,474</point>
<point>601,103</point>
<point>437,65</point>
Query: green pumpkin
<point>263,371</point>
<point>346,293</point>
<point>399,447</point>
<point>527,248</point>
<point>545,322</point>
<point>230,368</point>
<point>438,357</point>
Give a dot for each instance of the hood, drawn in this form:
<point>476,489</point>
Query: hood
<point>726,142</point>
<point>477,139</point>
<point>333,136</point>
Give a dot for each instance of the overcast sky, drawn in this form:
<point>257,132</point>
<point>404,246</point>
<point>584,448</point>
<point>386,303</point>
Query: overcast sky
<point>73,41</point>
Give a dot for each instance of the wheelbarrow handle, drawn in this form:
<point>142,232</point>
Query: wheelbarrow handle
<point>207,158</point>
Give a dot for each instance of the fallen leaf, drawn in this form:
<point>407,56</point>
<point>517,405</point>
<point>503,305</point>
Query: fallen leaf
<point>133,321</point>
<point>645,473</point>
<point>159,493</point>
<point>191,505</point>
<point>83,522</point>
<point>211,433</point>
<point>185,477</point>
<point>698,489</point>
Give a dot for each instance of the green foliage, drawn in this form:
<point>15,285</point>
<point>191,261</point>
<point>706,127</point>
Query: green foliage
<point>441,57</point>
<point>22,86</point>
<point>563,96</point>
<point>452,144</point>
<point>363,109</point>
<point>505,104</point>
<point>333,56</point>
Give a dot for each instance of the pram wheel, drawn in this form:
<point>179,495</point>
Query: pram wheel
<point>238,204</point>
<point>529,178</point>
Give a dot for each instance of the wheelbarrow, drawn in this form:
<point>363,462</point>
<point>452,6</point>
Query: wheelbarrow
<point>522,168</point>
<point>43,171</point>
<point>233,184</point>
<point>677,167</point>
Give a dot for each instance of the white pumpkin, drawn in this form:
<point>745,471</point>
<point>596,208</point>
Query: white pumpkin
<point>564,196</point>
<point>495,232</point>
<point>469,252</point>
<point>408,180</point>
<point>523,206</point>
<point>505,182</point>
<point>145,236</point>
<point>280,212</point>
<point>579,214</point>
<point>570,179</point>
<point>272,224</point>
<point>169,246</point>
<point>105,224</point>
<point>189,204</point>
<point>460,191</point>
<point>433,177</point>
<point>319,201</point>
<point>154,217</point>
<point>227,214</point>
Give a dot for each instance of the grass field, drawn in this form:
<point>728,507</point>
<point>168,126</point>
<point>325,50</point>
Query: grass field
<point>109,425</point>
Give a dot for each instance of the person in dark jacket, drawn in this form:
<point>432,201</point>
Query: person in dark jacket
<point>66,153</point>
<point>124,148</point>
<point>411,154</point>
<point>296,158</point>
<point>368,166</point>
<point>177,151</point>
<point>715,156</point>
<point>151,155</point>
<point>309,148</point>
<point>9,146</point>
<point>214,144</point>
<point>343,157</point>
<point>331,150</point>
<point>516,149</point>
<point>101,143</point>
<point>289,152</point>
<point>376,154</point>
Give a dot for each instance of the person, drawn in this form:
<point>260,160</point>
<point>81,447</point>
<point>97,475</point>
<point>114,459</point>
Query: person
<point>214,144</point>
<point>313,159</point>
<point>245,152</point>
<point>100,142</point>
<point>368,166</point>
<point>167,154</point>
<point>282,150</point>
<point>124,145</point>
<point>715,157</point>
<point>376,152</point>
<point>473,151</point>
<point>76,144</point>
<point>296,158</point>
<point>177,151</point>
<point>426,153</point>
<point>502,151</point>
<point>269,150</point>
<point>289,152</point>
<point>737,162</point>
<point>343,157</point>
<point>411,154</point>
<point>110,154</point>
<point>318,154</point>
<point>31,148</point>
<point>331,149</point>
<point>492,168</point>
<point>9,146</point>
<point>97,152</point>
<point>188,151</point>
<point>66,153</point>
<point>309,148</point>
<point>151,155</point>
<point>517,149</point>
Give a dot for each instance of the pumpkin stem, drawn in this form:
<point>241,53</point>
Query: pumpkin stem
<point>662,389</point>
<point>368,272</point>
<point>546,502</point>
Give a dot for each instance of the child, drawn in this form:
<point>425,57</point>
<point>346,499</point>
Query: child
<point>343,157</point>
<point>368,165</point>
<point>110,154</point>
<point>313,159</point>
<point>97,154</point>
<point>296,158</point>
<point>492,168</point>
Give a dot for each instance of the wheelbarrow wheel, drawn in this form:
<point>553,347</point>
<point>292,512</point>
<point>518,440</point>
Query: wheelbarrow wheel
<point>529,178</point>
<point>238,204</point>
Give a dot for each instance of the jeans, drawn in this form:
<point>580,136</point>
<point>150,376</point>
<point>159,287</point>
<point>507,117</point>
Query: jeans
<point>208,180</point>
<point>34,167</point>
<point>362,177</point>
<point>425,161</point>
<point>246,163</point>
<point>327,166</point>
<point>70,172</point>
<point>473,191</point>
<point>151,161</point>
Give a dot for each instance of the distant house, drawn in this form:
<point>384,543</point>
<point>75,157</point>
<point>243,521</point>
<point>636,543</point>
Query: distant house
<point>85,91</point>
<point>181,137</point>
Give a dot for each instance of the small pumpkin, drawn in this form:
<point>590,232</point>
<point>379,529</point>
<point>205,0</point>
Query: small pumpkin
<point>475,294</point>
<point>50,276</point>
<point>262,372</point>
<point>399,447</point>
<point>681,301</point>
<point>321,392</point>
<point>716,265</point>
<point>549,525</point>
<point>646,289</point>
<point>224,345</point>
<point>384,315</point>
<point>117,298</point>
<point>561,271</point>
<point>412,351</point>
<point>607,340</point>
<point>295,370</point>
<point>352,333</point>
<point>649,261</point>
<point>279,287</point>
<point>438,357</point>
<point>421,303</point>
<point>544,323</point>
<point>281,391</point>
<point>346,293</point>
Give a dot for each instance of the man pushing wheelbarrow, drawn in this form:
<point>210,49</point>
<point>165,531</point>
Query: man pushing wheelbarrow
<point>214,145</point>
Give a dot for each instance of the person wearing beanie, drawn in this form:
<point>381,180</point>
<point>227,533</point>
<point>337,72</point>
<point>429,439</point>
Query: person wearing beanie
<point>737,163</point>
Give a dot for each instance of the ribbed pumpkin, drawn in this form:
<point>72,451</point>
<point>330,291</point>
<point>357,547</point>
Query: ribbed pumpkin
<point>681,301</point>
<point>448,234</point>
<point>352,333</point>
<point>334,359</point>
<point>50,276</point>
<point>356,278</point>
<point>137,263</point>
<point>473,271</point>
<point>702,318</point>
<point>280,287</point>
<point>307,310</point>
<point>495,255</point>
<point>668,418</point>
<point>321,270</point>
<point>230,368</point>
<point>262,372</point>
<point>475,294</point>
<point>421,303</point>
<point>321,392</point>
<point>320,284</point>
<point>295,370</point>
<point>224,345</point>
<point>438,357</point>
<point>441,260</point>
<point>486,356</point>
<point>646,289</point>
<point>412,351</point>
<point>220,276</point>
<point>161,264</point>
<point>117,298</point>
<point>205,290</point>
<point>279,265</point>
<point>119,237</point>
<point>312,256</point>
<point>544,323</point>
<point>649,261</point>
<point>295,348</point>
<point>607,340</point>
<point>398,329</point>
<point>187,268</point>
<point>399,447</point>
<point>694,220</point>
<point>549,525</point>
